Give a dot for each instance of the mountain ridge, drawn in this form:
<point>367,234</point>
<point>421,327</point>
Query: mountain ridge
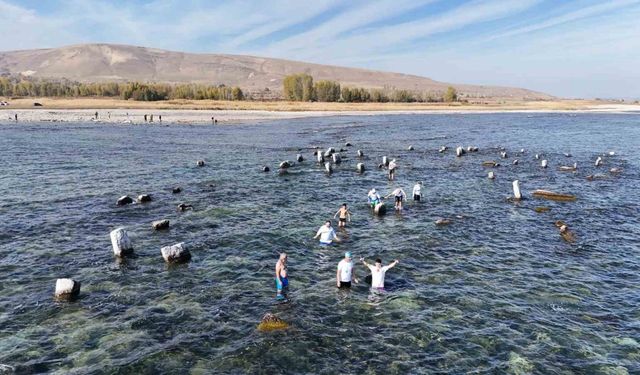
<point>103,62</point>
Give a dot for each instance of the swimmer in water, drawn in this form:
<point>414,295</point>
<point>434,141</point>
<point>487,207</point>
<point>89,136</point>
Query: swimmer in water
<point>378,272</point>
<point>399,195</point>
<point>344,215</point>
<point>282,282</point>
<point>327,234</point>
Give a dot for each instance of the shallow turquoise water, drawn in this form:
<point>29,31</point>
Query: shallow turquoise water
<point>496,291</point>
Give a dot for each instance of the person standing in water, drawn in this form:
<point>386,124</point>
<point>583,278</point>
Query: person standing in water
<point>378,272</point>
<point>327,234</point>
<point>374,198</point>
<point>282,282</point>
<point>345,272</point>
<point>416,191</point>
<point>344,214</point>
<point>392,169</point>
<point>400,195</point>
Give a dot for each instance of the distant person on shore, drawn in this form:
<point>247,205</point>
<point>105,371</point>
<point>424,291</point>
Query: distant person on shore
<point>145,118</point>
<point>399,195</point>
<point>16,117</point>
<point>374,198</point>
<point>160,118</point>
<point>151,118</point>
<point>282,282</point>
<point>345,272</point>
<point>378,272</point>
<point>392,169</point>
<point>327,234</point>
<point>416,191</point>
<point>109,115</point>
<point>344,215</point>
<point>96,114</point>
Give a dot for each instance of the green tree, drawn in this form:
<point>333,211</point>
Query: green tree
<point>451,95</point>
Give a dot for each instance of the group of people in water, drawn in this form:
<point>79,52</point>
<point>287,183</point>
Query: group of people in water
<point>326,235</point>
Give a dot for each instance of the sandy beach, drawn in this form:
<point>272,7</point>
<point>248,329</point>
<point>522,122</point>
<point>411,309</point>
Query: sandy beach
<point>202,112</point>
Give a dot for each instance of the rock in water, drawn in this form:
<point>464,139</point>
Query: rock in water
<point>285,164</point>
<point>360,167</point>
<point>544,163</point>
<point>177,253</point>
<point>271,322</point>
<point>410,148</point>
<point>67,289</point>
<point>360,153</point>
<point>299,158</point>
<point>200,163</point>
<point>123,200</point>
<point>120,242</point>
<point>598,161</point>
<point>491,175</point>
<point>347,144</point>
<point>459,151</point>
<point>160,224</point>
<point>515,162</point>
<point>265,168</point>
<point>442,149</point>
<point>380,209</point>
<point>144,198</point>
<point>554,196</point>
<point>516,190</point>
<point>336,158</point>
<point>184,207</point>
<point>176,190</point>
<point>443,222</point>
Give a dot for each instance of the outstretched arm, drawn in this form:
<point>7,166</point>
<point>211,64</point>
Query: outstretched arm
<point>393,264</point>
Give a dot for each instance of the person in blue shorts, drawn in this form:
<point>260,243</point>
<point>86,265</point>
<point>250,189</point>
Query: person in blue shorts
<point>282,282</point>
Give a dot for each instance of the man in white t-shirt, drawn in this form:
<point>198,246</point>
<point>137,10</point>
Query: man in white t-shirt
<point>392,169</point>
<point>327,234</point>
<point>378,272</point>
<point>345,272</point>
<point>416,191</point>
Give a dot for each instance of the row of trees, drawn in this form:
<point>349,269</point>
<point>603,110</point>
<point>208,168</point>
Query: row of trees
<point>300,87</point>
<point>13,86</point>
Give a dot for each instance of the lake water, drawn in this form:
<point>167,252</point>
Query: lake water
<point>496,291</point>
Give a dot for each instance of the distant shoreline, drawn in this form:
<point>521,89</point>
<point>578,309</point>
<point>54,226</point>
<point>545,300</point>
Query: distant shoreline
<point>201,112</point>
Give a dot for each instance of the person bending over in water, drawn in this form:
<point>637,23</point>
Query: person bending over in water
<point>378,272</point>
<point>416,191</point>
<point>327,234</point>
<point>282,282</point>
<point>392,169</point>
<point>400,195</point>
<point>374,198</point>
<point>345,272</point>
<point>344,214</point>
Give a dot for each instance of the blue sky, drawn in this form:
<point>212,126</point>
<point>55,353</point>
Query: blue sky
<point>566,48</point>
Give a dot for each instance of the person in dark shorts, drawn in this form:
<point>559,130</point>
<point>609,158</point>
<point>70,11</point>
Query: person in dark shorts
<point>344,215</point>
<point>345,272</point>
<point>400,196</point>
<point>417,194</point>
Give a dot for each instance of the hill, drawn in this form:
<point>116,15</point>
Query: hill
<point>109,62</point>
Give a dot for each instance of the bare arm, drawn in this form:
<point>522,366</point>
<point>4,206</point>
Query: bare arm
<point>278,267</point>
<point>393,264</point>
<point>338,276</point>
<point>317,234</point>
<point>336,214</point>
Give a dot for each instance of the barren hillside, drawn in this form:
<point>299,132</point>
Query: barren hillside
<point>108,62</point>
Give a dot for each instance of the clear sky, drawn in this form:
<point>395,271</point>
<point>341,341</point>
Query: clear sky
<point>567,48</point>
